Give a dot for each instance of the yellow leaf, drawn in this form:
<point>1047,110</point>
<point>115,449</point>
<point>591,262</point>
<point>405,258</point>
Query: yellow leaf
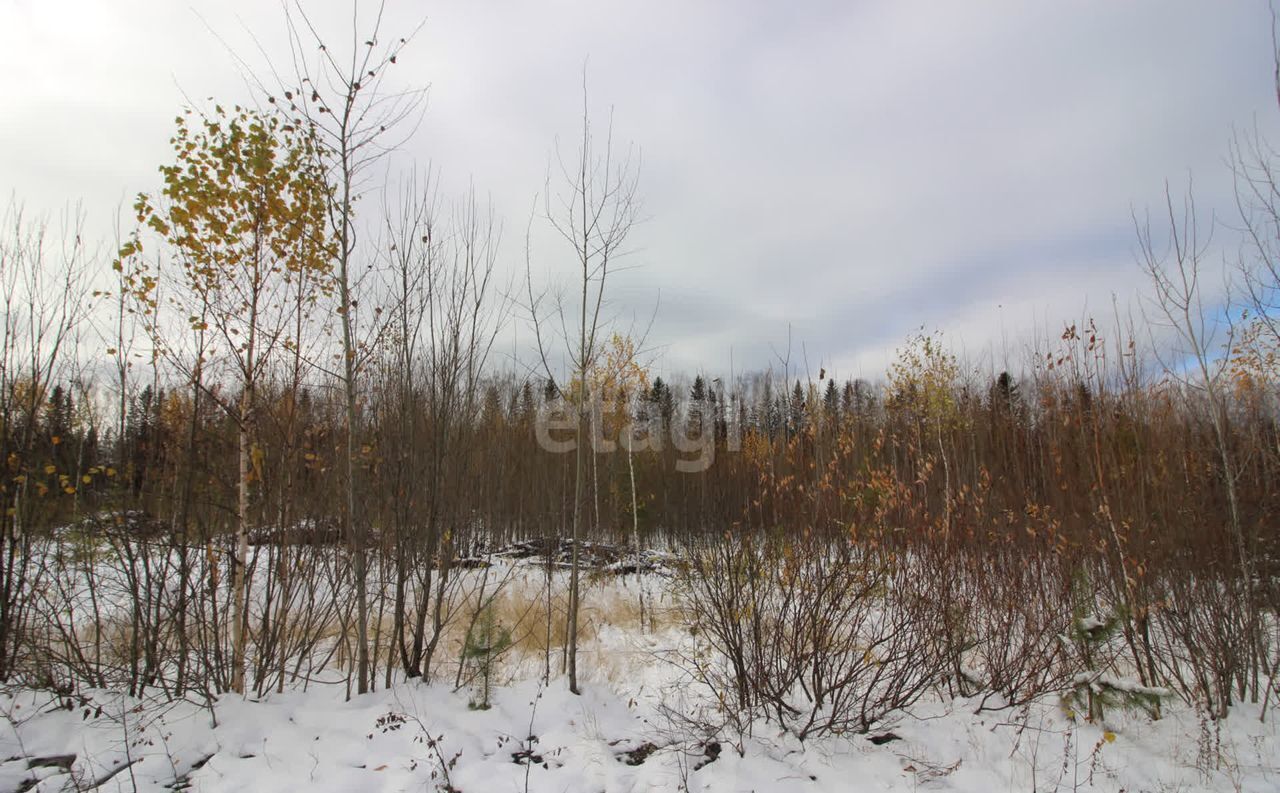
<point>1109,736</point>
<point>69,490</point>
<point>86,479</point>
<point>56,439</point>
<point>48,469</point>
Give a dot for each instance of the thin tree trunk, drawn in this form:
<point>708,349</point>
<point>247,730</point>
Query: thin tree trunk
<point>241,556</point>
<point>635,529</point>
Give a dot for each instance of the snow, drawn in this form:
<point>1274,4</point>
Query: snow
<point>632,729</point>
<point>1099,682</point>
<point>1091,623</point>
<point>384,741</point>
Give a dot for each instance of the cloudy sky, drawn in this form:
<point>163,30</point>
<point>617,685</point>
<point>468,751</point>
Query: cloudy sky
<point>850,171</point>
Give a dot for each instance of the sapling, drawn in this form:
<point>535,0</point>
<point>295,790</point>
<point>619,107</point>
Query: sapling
<point>1094,689</point>
<point>486,642</point>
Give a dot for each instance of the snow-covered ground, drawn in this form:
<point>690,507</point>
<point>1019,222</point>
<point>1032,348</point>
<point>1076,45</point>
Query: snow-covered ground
<point>632,729</point>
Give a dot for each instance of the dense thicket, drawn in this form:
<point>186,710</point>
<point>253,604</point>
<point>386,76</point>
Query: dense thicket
<point>991,464</point>
<point>1077,469</point>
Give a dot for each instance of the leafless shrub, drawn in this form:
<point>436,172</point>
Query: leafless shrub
<point>1004,626</point>
<point>820,637</point>
<point>1212,641</point>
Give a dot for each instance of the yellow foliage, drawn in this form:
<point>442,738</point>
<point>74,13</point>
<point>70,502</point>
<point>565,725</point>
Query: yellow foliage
<point>1256,361</point>
<point>616,377</point>
<point>923,379</point>
<point>244,205</point>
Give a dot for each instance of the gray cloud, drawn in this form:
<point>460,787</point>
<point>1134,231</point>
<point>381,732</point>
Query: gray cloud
<point>852,171</point>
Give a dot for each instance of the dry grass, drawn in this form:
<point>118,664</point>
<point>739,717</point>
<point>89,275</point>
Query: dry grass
<point>610,609</point>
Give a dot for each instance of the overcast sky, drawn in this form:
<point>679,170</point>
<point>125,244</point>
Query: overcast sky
<point>851,170</point>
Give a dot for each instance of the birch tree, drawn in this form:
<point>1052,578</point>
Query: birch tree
<point>242,211</point>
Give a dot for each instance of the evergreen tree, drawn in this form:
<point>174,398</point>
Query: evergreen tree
<point>1004,399</point>
<point>848,399</point>
<point>661,397</point>
<point>775,415</point>
<point>795,420</point>
<point>140,432</point>
<point>59,432</point>
<point>831,402</point>
<point>526,402</point>
<point>717,408</point>
<point>697,406</point>
<point>699,391</point>
<point>492,404</point>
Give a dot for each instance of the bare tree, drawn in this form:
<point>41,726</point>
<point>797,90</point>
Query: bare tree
<point>1255,166</point>
<point>449,310</point>
<point>1177,276</point>
<point>1177,273</point>
<point>593,211</point>
<point>344,99</point>
<point>44,291</point>
<point>1257,190</point>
